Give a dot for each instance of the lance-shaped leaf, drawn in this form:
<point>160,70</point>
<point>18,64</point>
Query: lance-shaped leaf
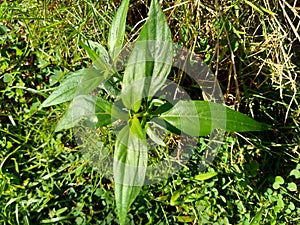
<point>150,61</point>
<point>205,176</point>
<point>99,56</point>
<point>93,111</point>
<point>130,164</point>
<point>111,87</point>
<point>153,136</point>
<point>80,82</point>
<point>199,118</point>
<point>117,30</point>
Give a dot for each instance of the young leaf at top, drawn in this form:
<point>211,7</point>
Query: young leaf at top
<point>130,164</point>
<point>117,30</point>
<point>150,61</point>
<point>199,118</point>
<point>78,83</point>
<point>99,56</point>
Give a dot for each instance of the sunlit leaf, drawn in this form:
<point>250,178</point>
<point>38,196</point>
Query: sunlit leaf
<point>154,137</point>
<point>199,118</point>
<point>110,87</point>
<point>78,83</point>
<point>117,30</point>
<point>257,218</point>
<point>292,186</point>
<point>278,181</point>
<point>130,164</point>
<point>93,111</point>
<point>296,173</point>
<point>175,198</point>
<point>185,219</point>
<point>206,176</point>
<point>150,61</point>
<point>99,56</point>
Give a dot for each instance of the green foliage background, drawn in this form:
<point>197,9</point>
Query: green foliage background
<point>43,178</point>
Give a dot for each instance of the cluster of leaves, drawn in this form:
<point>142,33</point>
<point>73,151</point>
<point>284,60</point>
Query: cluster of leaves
<point>148,67</point>
<point>45,180</point>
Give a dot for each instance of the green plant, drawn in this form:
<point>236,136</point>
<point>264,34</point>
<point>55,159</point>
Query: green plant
<point>281,191</point>
<point>137,102</point>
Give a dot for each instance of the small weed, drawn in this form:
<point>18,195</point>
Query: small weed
<point>253,49</point>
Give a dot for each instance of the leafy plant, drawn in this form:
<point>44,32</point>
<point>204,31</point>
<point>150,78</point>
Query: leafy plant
<point>137,102</point>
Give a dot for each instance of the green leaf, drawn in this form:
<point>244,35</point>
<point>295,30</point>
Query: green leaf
<point>3,30</point>
<point>154,137</point>
<point>292,186</point>
<point>103,112</point>
<point>81,107</point>
<point>99,56</point>
<point>257,218</point>
<point>278,181</point>
<point>118,113</point>
<point>199,118</point>
<point>175,199</point>
<point>291,206</point>
<point>185,219</point>
<point>117,30</point>
<point>130,164</point>
<point>165,125</point>
<point>7,78</point>
<point>205,176</point>
<point>164,107</point>
<point>296,173</point>
<point>151,57</point>
<point>110,87</point>
<point>93,111</point>
<point>79,220</point>
<point>280,203</point>
<point>55,219</point>
<point>80,82</point>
